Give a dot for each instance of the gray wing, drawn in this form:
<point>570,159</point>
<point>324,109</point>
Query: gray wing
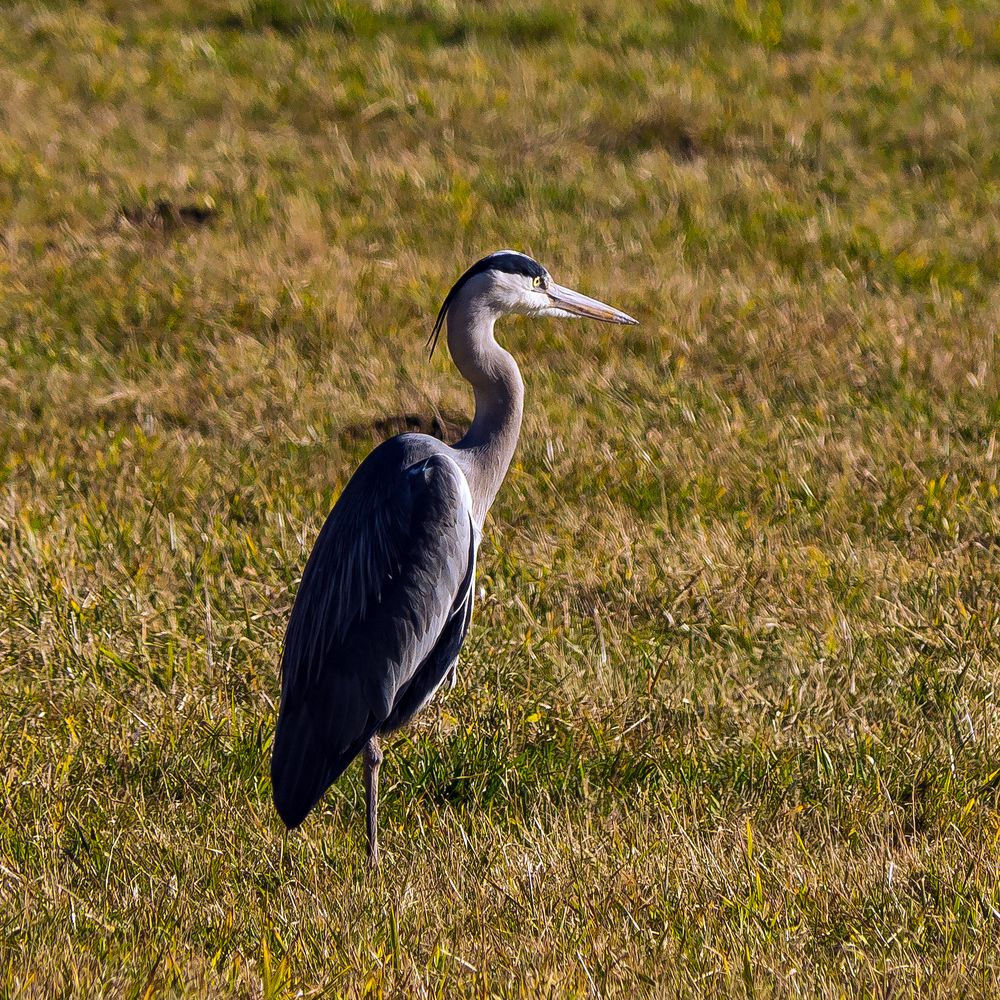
<point>379,618</point>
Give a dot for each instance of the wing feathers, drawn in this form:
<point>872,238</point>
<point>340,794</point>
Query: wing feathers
<point>385,594</point>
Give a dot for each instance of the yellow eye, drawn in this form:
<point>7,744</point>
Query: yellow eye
<point>538,281</point>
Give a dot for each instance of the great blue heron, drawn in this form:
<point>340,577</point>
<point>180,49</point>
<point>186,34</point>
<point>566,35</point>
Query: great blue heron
<point>386,596</point>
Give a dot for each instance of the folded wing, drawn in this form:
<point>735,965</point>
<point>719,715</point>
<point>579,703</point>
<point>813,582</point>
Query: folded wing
<point>379,618</point>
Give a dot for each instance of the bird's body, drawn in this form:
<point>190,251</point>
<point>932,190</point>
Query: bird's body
<point>386,597</point>
<point>401,598</point>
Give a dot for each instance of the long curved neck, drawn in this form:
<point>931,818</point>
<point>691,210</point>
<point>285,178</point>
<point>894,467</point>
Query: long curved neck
<point>488,446</point>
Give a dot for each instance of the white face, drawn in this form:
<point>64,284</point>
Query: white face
<point>520,294</point>
<point>541,296</point>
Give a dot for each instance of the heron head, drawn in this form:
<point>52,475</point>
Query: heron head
<point>511,282</point>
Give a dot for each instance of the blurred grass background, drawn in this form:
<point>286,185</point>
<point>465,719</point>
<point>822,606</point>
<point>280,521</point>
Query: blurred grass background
<point>726,724</point>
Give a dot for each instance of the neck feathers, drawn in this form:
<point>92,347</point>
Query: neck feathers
<point>486,450</point>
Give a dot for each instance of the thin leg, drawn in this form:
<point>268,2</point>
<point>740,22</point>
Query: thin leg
<point>373,758</point>
<point>285,859</point>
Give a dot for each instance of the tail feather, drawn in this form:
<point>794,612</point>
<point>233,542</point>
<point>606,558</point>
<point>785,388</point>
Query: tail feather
<point>302,768</point>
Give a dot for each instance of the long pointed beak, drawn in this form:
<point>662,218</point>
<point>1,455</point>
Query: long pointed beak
<point>583,305</point>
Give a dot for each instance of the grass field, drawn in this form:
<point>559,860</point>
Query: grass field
<point>727,722</point>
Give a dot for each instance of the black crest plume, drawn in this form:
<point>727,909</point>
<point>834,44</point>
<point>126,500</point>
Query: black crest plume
<point>509,261</point>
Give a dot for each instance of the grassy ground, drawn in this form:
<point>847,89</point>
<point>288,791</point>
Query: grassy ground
<point>727,722</point>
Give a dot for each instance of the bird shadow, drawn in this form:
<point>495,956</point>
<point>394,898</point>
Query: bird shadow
<point>444,427</point>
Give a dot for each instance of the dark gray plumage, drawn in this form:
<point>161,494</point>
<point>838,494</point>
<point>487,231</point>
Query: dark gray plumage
<point>389,583</point>
<point>386,597</point>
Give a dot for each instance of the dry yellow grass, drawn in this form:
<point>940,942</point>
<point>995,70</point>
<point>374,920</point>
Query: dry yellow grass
<point>727,721</point>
